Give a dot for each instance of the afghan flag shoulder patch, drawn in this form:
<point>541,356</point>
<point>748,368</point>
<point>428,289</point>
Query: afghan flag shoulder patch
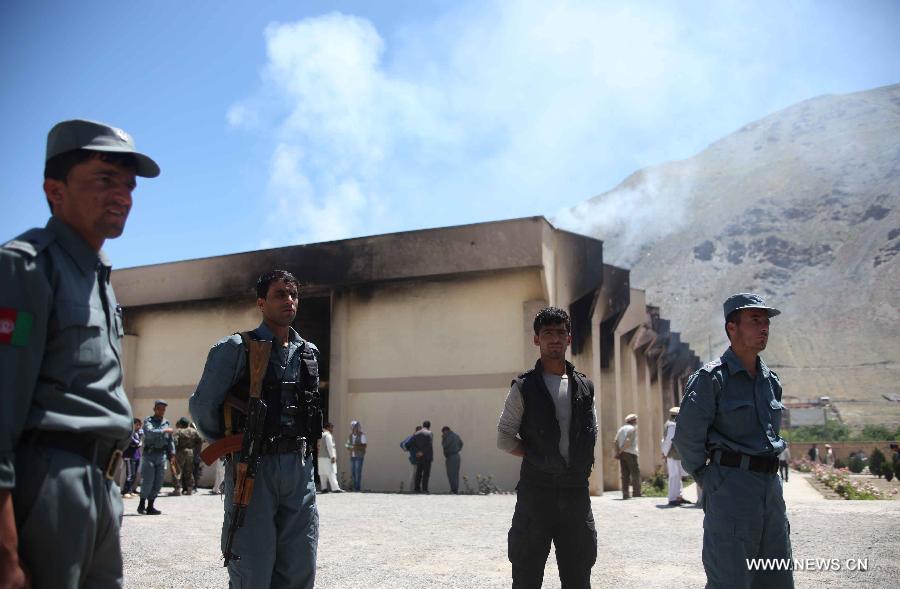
<point>15,326</point>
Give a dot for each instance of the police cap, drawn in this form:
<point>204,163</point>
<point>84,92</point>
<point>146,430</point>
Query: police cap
<point>94,136</point>
<point>747,300</point>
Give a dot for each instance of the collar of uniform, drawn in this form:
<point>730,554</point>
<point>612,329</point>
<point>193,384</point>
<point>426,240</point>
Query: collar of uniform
<point>84,255</point>
<point>734,363</point>
<point>265,333</point>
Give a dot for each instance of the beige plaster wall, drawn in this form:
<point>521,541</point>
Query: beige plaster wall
<point>167,348</point>
<point>443,350</point>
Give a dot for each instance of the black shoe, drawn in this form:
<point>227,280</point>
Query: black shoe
<point>153,511</point>
<point>683,501</point>
<point>142,509</point>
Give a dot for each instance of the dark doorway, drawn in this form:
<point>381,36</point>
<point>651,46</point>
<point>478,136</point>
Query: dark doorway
<point>313,323</point>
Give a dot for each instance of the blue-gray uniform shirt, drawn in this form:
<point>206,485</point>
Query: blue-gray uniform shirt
<point>723,408</point>
<point>60,342</point>
<point>224,367</point>
<point>154,436</point>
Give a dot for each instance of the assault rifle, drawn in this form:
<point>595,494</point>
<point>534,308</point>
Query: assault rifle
<point>251,446</point>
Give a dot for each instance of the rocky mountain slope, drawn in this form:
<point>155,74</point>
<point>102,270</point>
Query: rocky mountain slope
<point>803,206</point>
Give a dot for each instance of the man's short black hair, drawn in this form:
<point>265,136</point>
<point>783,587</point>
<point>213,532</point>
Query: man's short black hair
<point>426,424</point>
<point>262,285</point>
<point>551,316</point>
<point>445,429</point>
<point>733,317</point>
<point>59,166</point>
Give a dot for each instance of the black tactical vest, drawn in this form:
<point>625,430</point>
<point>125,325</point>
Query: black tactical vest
<point>539,430</point>
<point>293,409</point>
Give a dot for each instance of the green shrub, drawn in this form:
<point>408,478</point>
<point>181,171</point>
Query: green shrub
<point>876,459</point>
<point>834,431</point>
<point>897,469</point>
<point>855,464</point>
<point>888,471</point>
<point>838,463</point>
<point>876,432</point>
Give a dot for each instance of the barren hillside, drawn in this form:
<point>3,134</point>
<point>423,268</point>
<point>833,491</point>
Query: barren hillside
<point>804,206</point>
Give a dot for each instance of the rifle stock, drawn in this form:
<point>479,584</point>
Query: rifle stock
<point>219,448</point>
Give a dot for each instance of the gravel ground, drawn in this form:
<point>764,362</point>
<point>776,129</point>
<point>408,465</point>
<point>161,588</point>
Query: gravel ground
<point>373,540</point>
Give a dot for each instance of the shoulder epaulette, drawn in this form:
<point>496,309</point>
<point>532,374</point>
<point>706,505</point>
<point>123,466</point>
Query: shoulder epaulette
<point>711,366</point>
<point>31,243</point>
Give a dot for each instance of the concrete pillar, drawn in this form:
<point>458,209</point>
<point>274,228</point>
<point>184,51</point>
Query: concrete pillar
<point>341,358</point>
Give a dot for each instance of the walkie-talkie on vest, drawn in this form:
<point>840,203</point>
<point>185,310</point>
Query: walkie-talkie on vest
<point>251,447</point>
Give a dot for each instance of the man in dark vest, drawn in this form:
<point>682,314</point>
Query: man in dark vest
<point>278,540</point>
<point>549,419</point>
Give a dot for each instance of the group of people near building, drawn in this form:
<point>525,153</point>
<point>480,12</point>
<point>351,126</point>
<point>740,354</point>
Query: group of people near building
<point>66,419</point>
<point>154,440</point>
<point>420,447</point>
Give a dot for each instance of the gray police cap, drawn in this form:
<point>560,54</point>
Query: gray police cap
<point>159,402</point>
<point>94,136</point>
<point>747,300</point>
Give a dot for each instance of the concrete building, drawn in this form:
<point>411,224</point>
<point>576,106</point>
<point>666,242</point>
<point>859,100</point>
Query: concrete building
<point>429,324</point>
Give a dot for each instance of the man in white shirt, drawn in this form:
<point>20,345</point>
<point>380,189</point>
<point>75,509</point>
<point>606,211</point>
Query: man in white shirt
<point>673,460</point>
<point>627,454</point>
<point>328,461</point>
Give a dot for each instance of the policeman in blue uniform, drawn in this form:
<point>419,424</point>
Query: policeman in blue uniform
<point>159,445</point>
<point>278,541</point>
<point>728,438</point>
<point>64,415</point>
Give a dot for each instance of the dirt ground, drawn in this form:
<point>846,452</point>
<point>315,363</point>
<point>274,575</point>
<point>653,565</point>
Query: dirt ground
<point>374,540</point>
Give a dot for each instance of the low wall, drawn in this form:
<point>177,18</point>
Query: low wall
<point>841,450</point>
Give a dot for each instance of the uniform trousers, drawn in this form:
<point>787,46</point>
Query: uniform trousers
<point>68,517</point>
<point>153,469</point>
<point>744,518</point>
<point>673,465</point>
<point>561,515</point>
<point>184,459</point>
<point>278,541</point>
<point>453,462</point>
<point>631,474</point>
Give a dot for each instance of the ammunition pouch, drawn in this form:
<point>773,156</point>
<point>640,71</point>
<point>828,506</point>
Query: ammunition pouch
<point>294,408</point>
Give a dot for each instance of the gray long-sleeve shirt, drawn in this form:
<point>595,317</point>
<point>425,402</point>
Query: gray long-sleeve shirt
<point>743,415</point>
<point>60,342</point>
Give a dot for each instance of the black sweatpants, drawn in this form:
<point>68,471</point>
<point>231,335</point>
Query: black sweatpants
<point>423,473</point>
<point>563,515</point>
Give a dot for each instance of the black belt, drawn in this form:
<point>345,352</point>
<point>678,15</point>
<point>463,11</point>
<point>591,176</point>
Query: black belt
<point>103,454</point>
<point>284,445</point>
<point>768,464</point>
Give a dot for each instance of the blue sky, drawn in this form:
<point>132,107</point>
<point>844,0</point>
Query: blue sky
<point>278,123</point>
